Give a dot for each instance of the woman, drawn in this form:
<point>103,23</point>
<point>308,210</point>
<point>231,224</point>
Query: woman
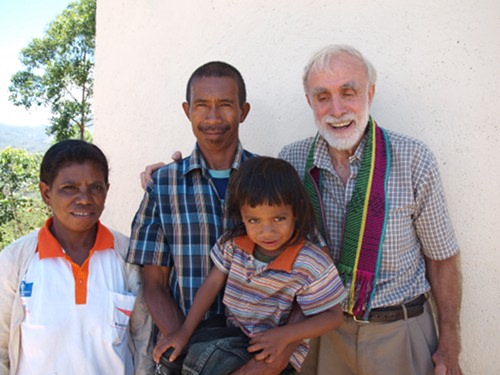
<point>68,300</point>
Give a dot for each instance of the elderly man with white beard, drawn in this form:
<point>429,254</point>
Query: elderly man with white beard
<point>382,212</point>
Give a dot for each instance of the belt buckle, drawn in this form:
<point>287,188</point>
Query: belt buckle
<point>360,320</point>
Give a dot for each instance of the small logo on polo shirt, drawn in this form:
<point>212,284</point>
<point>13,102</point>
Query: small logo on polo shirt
<point>126,312</point>
<point>121,318</point>
<point>25,289</point>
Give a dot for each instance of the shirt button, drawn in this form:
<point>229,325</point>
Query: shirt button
<point>80,281</point>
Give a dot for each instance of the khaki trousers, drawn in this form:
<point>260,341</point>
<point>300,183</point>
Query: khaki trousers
<point>403,347</point>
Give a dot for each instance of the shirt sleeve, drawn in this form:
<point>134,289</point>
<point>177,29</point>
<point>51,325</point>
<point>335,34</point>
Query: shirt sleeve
<point>432,222</point>
<point>322,293</point>
<point>148,244</point>
<point>9,279</point>
<point>141,323</point>
<point>222,254</point>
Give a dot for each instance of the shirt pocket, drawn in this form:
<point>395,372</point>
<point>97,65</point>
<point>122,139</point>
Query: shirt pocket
<point>119,310</point>
<point>400,242</point>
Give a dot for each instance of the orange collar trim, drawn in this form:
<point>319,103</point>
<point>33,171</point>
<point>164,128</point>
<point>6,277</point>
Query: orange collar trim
<point>49,247</point>
<point>283,262</point>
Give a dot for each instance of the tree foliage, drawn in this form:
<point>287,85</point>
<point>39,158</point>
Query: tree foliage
<point>21,207</point>
<point>59,71</point>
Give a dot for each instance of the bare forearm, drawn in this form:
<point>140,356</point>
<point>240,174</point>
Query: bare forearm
<point>205,297</point>
<point>162,307</point>
<point>318,325</point>
<point>165,312</point>
<point>276,345</point>
<point>313,326</point>
<point>256,367</point>
<point>445,279</point>
<point>260,367</point>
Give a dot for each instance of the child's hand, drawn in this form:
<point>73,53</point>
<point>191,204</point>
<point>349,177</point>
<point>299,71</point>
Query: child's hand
<point>177,340</point>
<point>270,343</point>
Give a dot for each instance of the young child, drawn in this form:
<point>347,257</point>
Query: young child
<point>266,263</point>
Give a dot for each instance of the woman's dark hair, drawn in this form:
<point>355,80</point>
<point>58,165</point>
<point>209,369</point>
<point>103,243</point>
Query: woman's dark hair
<point>68,152</point>
<point>265,180</point>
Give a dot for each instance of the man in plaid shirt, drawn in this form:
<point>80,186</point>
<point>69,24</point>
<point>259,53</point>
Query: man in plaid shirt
<point>181,215</point>
<point>418,251</point>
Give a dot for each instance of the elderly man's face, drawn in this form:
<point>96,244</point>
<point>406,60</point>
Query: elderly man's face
<point>340,99</point>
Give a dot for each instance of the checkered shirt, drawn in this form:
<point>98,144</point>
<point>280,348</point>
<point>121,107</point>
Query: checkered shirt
<point>418,222</point>
<point>179,220</point>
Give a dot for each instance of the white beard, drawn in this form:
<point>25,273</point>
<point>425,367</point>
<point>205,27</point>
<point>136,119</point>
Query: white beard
<point>349,141</point>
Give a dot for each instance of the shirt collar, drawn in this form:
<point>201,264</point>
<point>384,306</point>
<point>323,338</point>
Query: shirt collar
<point>358,154</point>
<point>284,262</point>
<point>197,161</point>
<point>322,155</point>
<point>49,247</point>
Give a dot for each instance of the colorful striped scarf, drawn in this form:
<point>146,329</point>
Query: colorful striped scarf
<point>366,218</point>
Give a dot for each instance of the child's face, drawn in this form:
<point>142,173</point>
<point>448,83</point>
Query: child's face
<point>269,227</point>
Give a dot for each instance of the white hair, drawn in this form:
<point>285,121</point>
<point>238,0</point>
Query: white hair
<point>322,59</point>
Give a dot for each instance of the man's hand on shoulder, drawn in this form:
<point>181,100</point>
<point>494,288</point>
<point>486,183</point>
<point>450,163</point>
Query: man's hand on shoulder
<point>150,169</point>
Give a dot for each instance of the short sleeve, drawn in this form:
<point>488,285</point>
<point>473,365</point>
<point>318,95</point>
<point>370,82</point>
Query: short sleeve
<point>432,222</point>
<point>148,244</point>
<point>222,255</point>
<point>322,293</point>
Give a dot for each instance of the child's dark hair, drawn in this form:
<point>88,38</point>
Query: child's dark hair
<point>71,151</point>
<point>265,180</point>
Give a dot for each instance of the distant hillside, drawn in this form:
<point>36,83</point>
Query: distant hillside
<point>31,138</point>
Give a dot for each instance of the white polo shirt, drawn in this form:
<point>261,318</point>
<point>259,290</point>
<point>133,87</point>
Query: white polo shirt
<point>76,317</point>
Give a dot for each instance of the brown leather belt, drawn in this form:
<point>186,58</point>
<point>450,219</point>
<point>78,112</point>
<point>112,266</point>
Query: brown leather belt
<point>410,309</point>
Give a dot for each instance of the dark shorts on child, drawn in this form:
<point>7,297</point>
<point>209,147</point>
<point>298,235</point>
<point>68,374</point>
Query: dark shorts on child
<point>214,349</point>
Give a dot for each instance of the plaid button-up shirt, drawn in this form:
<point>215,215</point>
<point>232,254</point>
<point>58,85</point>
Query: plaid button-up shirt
<point>418,223</point>
<point>179,220</point>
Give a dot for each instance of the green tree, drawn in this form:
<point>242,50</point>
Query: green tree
<point>21,207</point>
<point>59,71</point>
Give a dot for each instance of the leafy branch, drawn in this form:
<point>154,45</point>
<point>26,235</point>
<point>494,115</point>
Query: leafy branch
<point>59,71</point>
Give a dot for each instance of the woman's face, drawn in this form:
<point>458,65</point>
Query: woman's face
<point>76,196</point>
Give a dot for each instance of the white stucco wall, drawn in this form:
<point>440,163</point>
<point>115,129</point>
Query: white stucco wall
<point>438,81</point>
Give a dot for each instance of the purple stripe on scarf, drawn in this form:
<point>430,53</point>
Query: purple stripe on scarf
<point>375,218</point>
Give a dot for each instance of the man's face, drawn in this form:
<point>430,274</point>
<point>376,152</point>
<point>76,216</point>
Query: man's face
<point>215,113</point>
<point>340,99</point>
